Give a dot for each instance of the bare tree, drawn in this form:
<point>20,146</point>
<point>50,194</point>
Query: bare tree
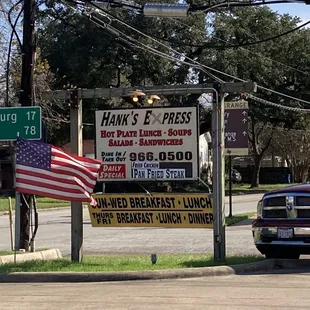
<point>260,137</point>
<point>294,146</point>
<point>54,112</point>
<point>10,11</point>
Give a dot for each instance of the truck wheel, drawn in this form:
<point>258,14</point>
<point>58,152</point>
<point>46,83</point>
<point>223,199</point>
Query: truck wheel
<point>282,255</point>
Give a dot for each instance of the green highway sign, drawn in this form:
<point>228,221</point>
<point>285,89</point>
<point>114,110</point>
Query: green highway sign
<point>23,121</point>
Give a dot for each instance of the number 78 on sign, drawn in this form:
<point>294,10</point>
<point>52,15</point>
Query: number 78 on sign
<point>25,122</point>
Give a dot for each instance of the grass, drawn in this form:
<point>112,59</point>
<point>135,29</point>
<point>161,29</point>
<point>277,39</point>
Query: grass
<point>9,252</point>
<point>42,203</point>
<point>245,188</point>
<point>124,263</point>
<point>238,218</point>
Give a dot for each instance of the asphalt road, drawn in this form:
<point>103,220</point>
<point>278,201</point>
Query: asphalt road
<point>259,292</point>
<point>242,207</point>
<point>55,232</point>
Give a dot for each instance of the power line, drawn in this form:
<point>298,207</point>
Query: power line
<point>149,49</point>
<point>10,48</point>
<point>206,8</point>
<point>243,48</point>
<point>179,9</point>
<point>210,45</point>
<point>277,105</point>
<point>133,43</point>
<point>115,18</point>
<point>13,26</point>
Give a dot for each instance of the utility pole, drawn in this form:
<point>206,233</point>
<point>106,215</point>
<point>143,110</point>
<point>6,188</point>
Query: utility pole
<point>219,176</point>
<point>76,140</point>
<point>26,99</point>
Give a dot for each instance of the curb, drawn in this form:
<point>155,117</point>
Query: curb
<point>41,255</point>
<point>242,269</point>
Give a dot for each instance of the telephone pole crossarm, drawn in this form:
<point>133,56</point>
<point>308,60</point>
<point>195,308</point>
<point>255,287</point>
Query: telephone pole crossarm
<point>158,89</point>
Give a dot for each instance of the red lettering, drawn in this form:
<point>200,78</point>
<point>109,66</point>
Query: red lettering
<point>126,134</point>
<point>112,171</point>
<point>114,175</point>
<point>179,132</point>
<point>113,142</point>
<point>160,142</point>
<point>107,134</point>
<point>150,133</point>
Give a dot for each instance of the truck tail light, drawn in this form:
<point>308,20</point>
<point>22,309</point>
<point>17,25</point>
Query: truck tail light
<point>260,208</point>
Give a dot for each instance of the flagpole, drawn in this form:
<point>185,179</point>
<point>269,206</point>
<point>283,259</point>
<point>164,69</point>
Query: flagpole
<point>76,139</point>
<point>17,204</point>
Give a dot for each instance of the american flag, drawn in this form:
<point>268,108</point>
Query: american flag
<point>45,170</point>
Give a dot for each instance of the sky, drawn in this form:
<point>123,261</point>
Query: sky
<point>296,9</point>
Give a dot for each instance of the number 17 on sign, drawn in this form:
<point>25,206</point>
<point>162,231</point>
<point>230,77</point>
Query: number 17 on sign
<point>31,115</point>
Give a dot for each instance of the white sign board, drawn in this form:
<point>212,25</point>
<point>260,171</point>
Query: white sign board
<point>147,144</point>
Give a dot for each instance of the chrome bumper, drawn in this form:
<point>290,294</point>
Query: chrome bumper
<point>269,236</point>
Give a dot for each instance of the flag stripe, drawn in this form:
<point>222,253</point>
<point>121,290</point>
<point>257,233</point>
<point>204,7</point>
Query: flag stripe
<point>61,177</point>
<point>49,184</point>
<point>40,192</point>
<point>88,167</point>
<point>73,174</point>
<point>21,173</point>
<point>52,191</point>
<point>76,168</point>
<point>87,162</point>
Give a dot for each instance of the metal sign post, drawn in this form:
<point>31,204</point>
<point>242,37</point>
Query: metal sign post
<point>218,146</point>
<point>230,186</point>
<point>218,177</point>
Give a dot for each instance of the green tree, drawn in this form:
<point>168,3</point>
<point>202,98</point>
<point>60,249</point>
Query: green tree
<point>54,113</point>
<point>70,42</point>
<point>85,56</point>
<point>281,64</point>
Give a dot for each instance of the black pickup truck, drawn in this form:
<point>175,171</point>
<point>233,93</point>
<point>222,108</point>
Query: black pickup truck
<point>282,227</point>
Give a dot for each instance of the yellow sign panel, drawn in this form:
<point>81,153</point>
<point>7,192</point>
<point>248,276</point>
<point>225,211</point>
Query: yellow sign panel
<point>153,210</point>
